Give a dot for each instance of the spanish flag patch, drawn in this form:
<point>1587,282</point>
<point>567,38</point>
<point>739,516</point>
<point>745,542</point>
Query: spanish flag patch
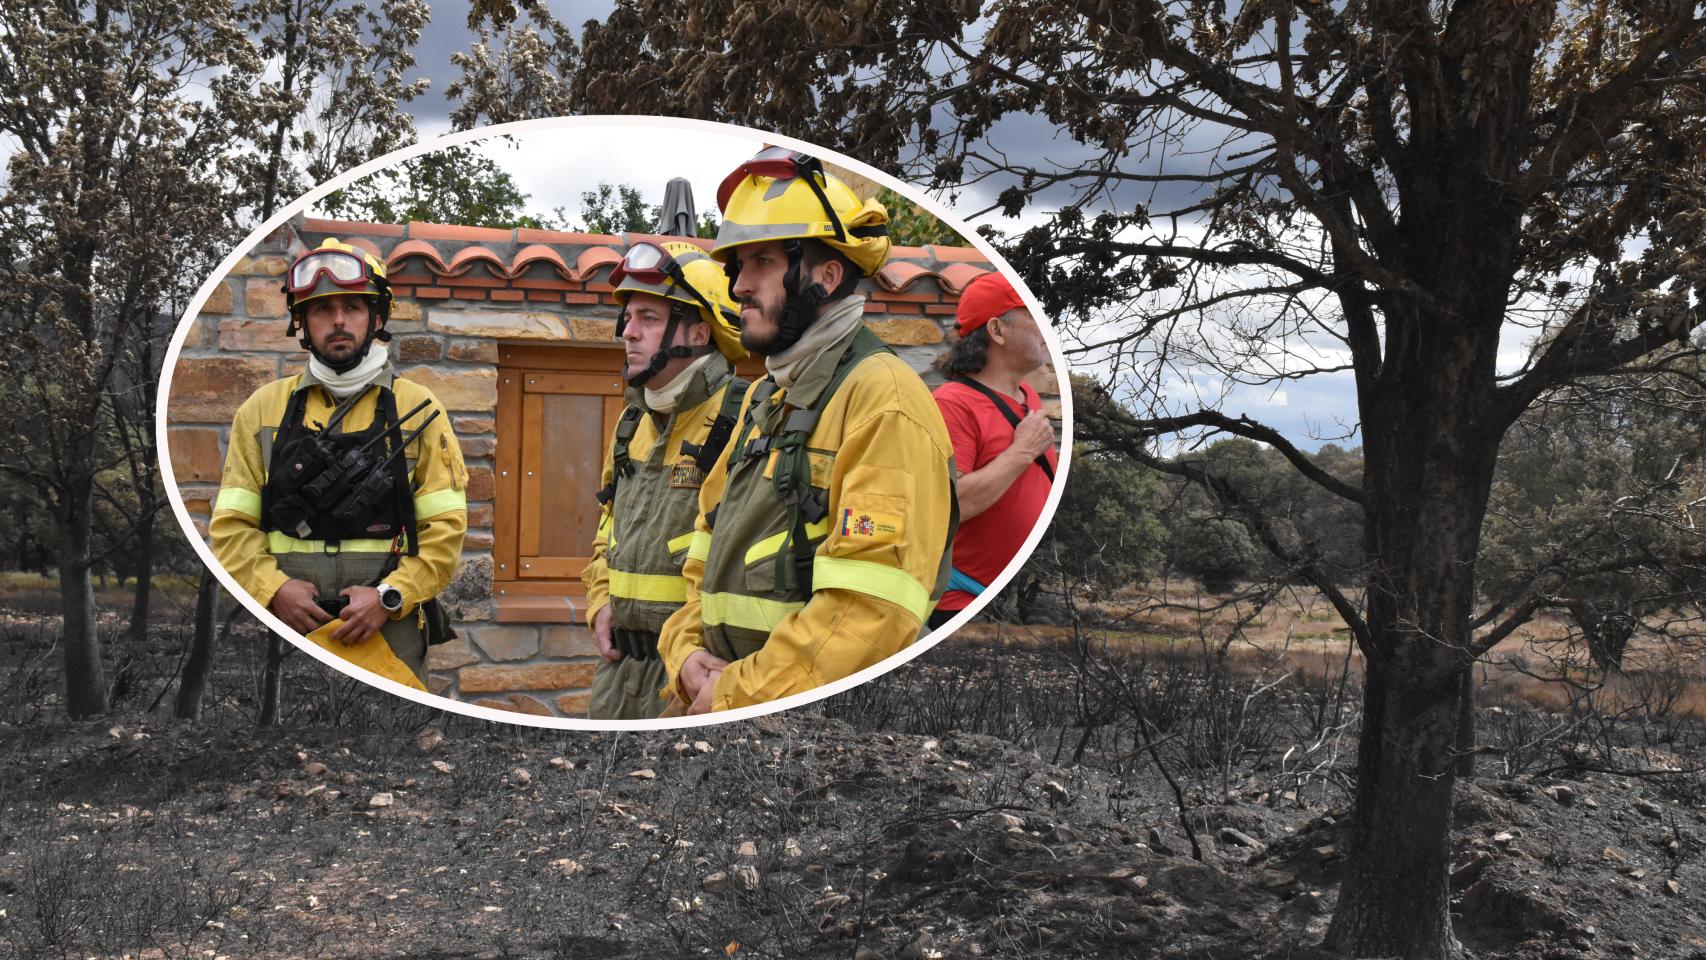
<point>877,527</point>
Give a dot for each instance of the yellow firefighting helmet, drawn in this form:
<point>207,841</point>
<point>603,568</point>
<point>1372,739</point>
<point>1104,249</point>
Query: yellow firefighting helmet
<point>785,195</point>
<point>336,268</point>
<point>680,271</point>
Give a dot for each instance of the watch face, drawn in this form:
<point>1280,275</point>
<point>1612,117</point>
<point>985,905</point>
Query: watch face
<point>390,597</point>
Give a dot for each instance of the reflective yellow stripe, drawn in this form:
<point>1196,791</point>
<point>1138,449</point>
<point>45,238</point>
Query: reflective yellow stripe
<point>440,501</point>
<point>655,587</point>
<point>769,545</point>
<point>700,547</point>
<point>246,502</point>
<point>873,579</point>
<point>676,543</point>
<point>279,543</point>
<point>751,613</point>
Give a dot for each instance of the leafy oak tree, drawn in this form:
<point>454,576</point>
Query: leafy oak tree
<point>337,99</point>
<point>1272,192</point>
<point>1597,514</point>
<point>120,115</point>
<point>1105,535</point>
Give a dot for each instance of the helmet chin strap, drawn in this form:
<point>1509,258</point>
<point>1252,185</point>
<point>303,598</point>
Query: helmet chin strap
<point>799,310</point>
<point>662,358</point>
<point>374,332</point>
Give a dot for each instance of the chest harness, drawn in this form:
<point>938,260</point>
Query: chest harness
<point>791,480</point>
<point>334,486</point>
<point>642,644</point>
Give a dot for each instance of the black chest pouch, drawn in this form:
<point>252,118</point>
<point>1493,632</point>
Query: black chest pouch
<point>325,484</point>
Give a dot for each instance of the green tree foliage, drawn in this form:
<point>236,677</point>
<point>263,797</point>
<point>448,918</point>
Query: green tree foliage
<point>122,118</point>
<point>1106,534</point>
<point>458,184</point>
<point>1310,521</point>
<point>1216,550</point>
<point>617,209</point>
<point>1596,512</point>
<point>913,226</point>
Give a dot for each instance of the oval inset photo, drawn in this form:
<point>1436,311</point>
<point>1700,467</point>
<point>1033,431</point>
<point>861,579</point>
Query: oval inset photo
<point>614,422</point>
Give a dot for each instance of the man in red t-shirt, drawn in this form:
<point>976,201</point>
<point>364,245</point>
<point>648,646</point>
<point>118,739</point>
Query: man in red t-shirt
<point>1003,442</point>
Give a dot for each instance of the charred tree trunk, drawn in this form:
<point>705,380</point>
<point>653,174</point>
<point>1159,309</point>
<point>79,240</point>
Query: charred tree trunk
<point>1465,746</point>
<point>272,679</point>
<point>140,602</point>
<point>1430,449</point>
<point>192,685</point>
<point>1393,894</point>
<point>85,684</point>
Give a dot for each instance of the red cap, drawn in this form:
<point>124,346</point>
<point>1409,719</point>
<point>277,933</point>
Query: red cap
<point>989,295</point>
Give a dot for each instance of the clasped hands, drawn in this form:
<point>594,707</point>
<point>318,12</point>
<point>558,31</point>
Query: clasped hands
<point>362,618</point>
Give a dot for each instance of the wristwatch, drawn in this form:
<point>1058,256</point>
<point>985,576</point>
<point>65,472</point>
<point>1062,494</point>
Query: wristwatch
<point>390,597</point>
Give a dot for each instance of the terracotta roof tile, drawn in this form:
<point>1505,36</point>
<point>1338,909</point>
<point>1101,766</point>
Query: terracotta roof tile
<point>593,258</point>
<point>448,231</point>
<point>368,245</point>
<point>543,264</point>
<point>956,254</point>
<point>415,248</point>
<point>335,227</point>
<point>536,251</point>
<point>914,296</point>
<point>630,239</point>
<point>955,277</point>
<point>897,275</point>
<point>563,237</point>
<point>466,257</point>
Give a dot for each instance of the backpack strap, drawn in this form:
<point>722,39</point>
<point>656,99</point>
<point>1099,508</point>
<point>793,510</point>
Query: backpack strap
<point>705,454</point>
<point>288,424</point>
<point>792,477</point>
<point>760,445</point>
<point>1006,412</point>
<point>622,466</point>
<point>401,488</point>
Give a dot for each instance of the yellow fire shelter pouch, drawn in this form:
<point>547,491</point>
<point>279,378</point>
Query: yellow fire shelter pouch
<point>373,655</point>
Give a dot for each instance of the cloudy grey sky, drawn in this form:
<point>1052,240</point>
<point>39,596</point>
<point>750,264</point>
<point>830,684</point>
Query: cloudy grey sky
<point>555,167</point>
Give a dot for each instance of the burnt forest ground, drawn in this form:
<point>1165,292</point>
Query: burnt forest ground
<point>1013,793</point>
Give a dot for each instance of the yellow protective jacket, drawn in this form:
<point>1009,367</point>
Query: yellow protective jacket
<point>644,531</point>
<point>881,455</point>
<point>437,476</point>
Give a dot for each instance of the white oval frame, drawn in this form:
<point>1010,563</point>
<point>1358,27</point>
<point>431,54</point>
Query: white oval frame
<point>941,211</point>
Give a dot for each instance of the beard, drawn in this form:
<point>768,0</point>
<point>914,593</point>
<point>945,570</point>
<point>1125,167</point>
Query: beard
<point>764,343</point>
<point>342,346</point>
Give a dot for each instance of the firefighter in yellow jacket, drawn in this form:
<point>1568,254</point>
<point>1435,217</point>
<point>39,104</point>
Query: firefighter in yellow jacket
<point>344,491</point>
<point>822,540</point>
<point>678,331</point>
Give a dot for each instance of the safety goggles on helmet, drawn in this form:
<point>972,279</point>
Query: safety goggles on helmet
<point>782,163</point>
<point>777,163</point>
<point>341,267</point>
<point>651,264</point>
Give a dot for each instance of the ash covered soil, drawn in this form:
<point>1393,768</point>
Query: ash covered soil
<point>793,836</point>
